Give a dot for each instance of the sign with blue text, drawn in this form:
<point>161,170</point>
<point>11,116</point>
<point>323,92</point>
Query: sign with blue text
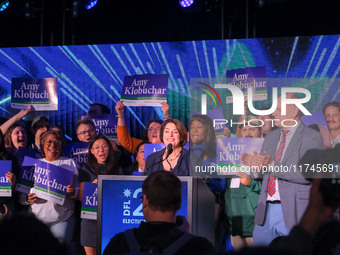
<point>50,182</point>
<point>89,203</point>
<point>145,90</point>
<point>41,93</point>
<point>5,185</point>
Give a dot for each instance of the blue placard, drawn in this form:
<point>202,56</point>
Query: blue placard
<point>250,77</point>
<point>5,185</point>
<point>26,181</point>
<point>151,148</point>
<point>89,202</point>
<point>122,207</point>
<point>145,90</point>
<point>104,123</point>
<point>41,93</point>
<point>229,151</point>
<point>316,118</point>
<point>50,182</point>
<point>77,151</point>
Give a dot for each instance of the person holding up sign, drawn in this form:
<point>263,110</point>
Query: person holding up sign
<point>102,160</point>
<point>7,203</point>
<point>153,128</point>
<point>60,218</point>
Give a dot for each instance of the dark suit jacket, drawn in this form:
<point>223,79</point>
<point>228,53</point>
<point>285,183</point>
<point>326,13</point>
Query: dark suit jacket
<point>293,187</point>
<point>154,163</point>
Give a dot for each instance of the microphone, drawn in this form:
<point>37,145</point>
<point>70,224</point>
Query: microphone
<point>169,150</point>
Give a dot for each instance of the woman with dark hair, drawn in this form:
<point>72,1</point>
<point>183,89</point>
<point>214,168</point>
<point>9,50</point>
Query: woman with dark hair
<point>176,160</point>
<point>138,166</point>
<point>16,143</point>
<point>203,144</point>
<point>152,134</point>
<point>101,160</point>
<point>60,218</point>
<point>202,138</point>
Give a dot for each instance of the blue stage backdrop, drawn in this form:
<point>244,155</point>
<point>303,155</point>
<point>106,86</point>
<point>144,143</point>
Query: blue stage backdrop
<point>95,73</point>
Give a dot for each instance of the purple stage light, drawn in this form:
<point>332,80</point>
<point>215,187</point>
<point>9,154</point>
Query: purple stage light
<point>186,3</point>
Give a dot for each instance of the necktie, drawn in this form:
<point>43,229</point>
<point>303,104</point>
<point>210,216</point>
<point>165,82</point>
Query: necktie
<point>272,180</point>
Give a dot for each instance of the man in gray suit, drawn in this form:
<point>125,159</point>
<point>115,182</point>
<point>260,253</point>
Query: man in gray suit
<point>285,192</point>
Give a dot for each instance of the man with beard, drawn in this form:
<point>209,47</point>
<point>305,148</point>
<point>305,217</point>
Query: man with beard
<point>332,115</point>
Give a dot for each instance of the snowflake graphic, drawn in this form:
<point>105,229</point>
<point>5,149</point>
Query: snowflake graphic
<point>127,192</point>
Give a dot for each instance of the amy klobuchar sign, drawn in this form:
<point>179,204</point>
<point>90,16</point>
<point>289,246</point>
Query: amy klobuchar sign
<point>5,185</point>
<point>50,182</point>
<point>41,93</point>
<point>145,90</point>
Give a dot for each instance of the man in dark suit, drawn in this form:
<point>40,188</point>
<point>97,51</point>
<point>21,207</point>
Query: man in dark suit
<point>285,192</point>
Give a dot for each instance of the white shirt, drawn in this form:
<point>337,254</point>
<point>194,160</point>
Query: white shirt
<point>49,212</point>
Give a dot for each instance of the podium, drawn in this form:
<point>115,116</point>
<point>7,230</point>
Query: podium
<point>120,208</point>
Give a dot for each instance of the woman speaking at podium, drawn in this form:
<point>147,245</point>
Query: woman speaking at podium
<point>173,157</point>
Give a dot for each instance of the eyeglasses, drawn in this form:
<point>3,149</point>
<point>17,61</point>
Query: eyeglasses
<point>104,147</point>
<point>90,131</point>
<point>55,142</point>
<point>156,130</point>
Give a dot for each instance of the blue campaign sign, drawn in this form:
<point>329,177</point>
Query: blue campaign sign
<point>77,151</point>
<point>153,147</point>
<point>41,93</point>
<point>145,90</point>
<point>105,124</point>
<point>50,182</point>
<point>26,177</point>
<point>5,185</point>
<point>122,207</point>
<point>89,201</point>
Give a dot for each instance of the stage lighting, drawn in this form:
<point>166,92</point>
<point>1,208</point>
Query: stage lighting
<point>90,4</point>
<point>186,3</point>
<point>4,5</point>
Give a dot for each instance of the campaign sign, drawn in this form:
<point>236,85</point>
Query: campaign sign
<point>145,90</point>
<point>106,124</point>
<point>26,177</point>
<point>89,203</point>
<point>5,185</point>
<point>250,77</point>
<point>50,182</point>
<point>315,118</point>
<point>229,151</point>
<point>77,151</point>
<point>153,147</point>
<point>41,93</point>
<point>213,114</point>
<point>122,207</point>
